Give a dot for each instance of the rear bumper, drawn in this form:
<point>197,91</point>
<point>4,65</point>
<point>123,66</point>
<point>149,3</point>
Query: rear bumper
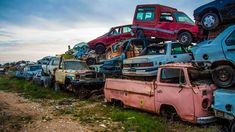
<point>206,119</point>
<point>140,72</point>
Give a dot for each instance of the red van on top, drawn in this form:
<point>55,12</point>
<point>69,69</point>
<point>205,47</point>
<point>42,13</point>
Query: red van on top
<point>115,34</point>
<point>164,23</point>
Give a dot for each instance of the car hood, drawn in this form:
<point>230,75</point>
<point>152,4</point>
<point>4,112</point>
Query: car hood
<point>141,59</point>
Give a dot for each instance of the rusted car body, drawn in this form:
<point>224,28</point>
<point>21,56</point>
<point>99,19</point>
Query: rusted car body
<point>176,89</point>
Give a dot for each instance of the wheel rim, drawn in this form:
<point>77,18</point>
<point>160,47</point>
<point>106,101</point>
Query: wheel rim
<point>223,75</point>
<point>100,49</point>
<point>184,38</point>
<point>209,21</point>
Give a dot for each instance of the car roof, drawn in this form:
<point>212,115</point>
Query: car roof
<point>158,5</point>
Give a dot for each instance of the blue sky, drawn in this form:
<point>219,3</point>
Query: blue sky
<point>31,29</point>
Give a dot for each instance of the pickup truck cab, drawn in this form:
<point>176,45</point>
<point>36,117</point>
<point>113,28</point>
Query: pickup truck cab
<point>224,106</point>
<point>115,34</point>
<point>49,68</point>
<point>67,71</point>
<point>127,49</point>
<point>164,23</point>
<point>153,56</point>
<point>179,88</point>
<point>219,55</point>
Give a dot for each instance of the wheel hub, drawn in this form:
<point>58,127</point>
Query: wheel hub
<point>184,38</point>
<point>209,21</point>
<point>223,75</point>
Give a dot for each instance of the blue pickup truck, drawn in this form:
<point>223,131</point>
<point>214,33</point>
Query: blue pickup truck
<point>219,56</point>
<point>224,106</point>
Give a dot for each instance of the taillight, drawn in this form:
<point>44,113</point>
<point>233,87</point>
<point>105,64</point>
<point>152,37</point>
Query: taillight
<point>148,64</point>
<point>205,103</point>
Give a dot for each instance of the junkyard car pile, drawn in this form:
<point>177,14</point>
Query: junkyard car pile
<point>159,64</point>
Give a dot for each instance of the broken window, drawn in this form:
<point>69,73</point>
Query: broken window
<point>174,76</point>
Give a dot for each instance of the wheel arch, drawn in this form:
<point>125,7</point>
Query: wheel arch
<point>184,30</point>
<point>169,106</point>
<point>223,62</point>
<point>209,10</point>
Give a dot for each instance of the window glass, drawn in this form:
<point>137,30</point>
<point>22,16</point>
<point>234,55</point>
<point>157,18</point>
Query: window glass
<point>75,65</point>
<point>126,29</point>
<point>231,39</point>
<point>115,31</point>
<point>56,62</point>
<point>177,49</point>
<point>166,17</point>
<point>181,17</point>
<point>174,76</point>
<point>34,68</point>
<point>145,14</point>
<point>154,50</point>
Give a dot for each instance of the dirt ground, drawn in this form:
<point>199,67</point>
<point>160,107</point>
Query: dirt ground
<point>19,114</point>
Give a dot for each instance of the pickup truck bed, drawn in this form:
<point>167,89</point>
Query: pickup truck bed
<point>124,89</point>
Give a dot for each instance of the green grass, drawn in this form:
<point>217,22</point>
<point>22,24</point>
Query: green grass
<point>29,90</point>
<point>94,113</point>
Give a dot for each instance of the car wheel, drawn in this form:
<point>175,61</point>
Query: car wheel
<point>232,128</point>
<point>223,76</point>
<point>185,38</point>
<point>140,34</point>
<point>100,48</point>
<point>210,21</point>
<point>90,61</point>
<point>57,86</point>
<point>82,93</point>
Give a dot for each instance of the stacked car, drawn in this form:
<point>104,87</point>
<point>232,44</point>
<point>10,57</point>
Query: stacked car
<point>162,63</point>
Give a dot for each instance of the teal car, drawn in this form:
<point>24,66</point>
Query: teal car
<point>219,56</point>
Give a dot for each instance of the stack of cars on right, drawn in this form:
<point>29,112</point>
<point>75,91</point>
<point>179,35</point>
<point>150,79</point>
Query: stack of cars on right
<point>174,77</point>
<point>218,55</point>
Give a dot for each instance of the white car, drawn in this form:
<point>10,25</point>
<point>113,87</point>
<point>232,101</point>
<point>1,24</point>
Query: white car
<point>153,56</point>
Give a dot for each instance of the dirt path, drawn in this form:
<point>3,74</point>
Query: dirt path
<point>19,114</point>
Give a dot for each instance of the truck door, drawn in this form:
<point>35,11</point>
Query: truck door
<point>229,46</point>
<point>179,54</point>
<point>166,25</point>
<point>114,35</point>
<point>172,90</point>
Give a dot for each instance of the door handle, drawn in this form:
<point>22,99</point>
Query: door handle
<point>159,91</point>
<point>231,50</point>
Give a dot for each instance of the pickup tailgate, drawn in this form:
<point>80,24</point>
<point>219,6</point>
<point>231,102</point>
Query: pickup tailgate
<point>138,94</point>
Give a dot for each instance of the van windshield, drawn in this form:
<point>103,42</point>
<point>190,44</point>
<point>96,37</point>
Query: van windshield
<point>145,13</point>
<point>181,17</point>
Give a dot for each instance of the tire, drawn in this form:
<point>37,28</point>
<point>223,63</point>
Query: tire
<point>232,128</point>
<point>100,48</point>
<point>224,76</point>
<point>57,86</point>
<point>91,61</point>
<point>168,113</point>
<point>185,38</point>
<point>140,34</point>
<point>82,93</point>
<point>210,21</point>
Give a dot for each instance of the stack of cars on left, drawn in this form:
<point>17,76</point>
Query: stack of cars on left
<point>153,64</point>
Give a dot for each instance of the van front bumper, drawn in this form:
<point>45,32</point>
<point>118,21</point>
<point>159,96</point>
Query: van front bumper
<point>206,119</point>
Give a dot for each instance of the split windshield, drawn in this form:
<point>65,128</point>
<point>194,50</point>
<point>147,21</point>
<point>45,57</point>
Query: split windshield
<point>198,77</point>
<point>75,65</point>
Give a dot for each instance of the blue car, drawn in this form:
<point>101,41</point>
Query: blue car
<point>30,71</point>
<point>219,56</point>
<point>129,48</point>
<point>224,106</point>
